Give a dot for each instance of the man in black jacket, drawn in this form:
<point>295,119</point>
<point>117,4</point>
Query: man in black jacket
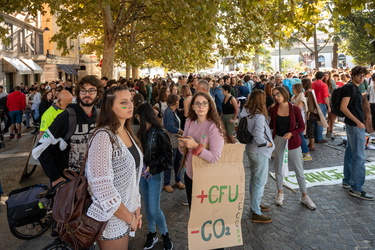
<point>88,91</point>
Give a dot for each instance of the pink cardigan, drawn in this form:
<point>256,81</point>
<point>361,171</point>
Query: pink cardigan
<point>205,133</point>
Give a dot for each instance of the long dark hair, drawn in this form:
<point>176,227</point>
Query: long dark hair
<point>256,104</point>
<point>146,113</point>
<point>108,119</point>
<point>212,114</point>
<point>328,81</point>
<point>162,94</point>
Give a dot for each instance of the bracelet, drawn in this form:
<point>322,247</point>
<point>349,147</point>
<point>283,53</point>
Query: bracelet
<point>198,150</point>
<point>129,224</point>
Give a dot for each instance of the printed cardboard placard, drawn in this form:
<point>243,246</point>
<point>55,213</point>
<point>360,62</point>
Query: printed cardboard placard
<point>217,200</point>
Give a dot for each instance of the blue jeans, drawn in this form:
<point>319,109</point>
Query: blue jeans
<point>151,197</point>
<point>258,165</point>
<point>27,116</point>
<point>304,147</point>
<point>354,160</point>
<point>176,167</point>
<point>318,128</point>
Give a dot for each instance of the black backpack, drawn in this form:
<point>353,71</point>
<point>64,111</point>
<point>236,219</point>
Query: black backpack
<point>243,134</point>
<point>336,99</point>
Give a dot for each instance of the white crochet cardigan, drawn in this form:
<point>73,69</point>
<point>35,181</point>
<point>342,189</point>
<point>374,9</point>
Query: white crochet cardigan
<point>112,178</point>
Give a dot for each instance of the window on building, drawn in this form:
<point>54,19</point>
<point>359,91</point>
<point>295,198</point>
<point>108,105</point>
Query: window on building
<point>41,46</point>
<point>9,40</point>
<point>342,61</point>
<point>321,61</point>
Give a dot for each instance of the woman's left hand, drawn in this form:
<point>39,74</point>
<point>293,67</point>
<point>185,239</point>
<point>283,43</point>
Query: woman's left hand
<point>189,142</point>
<point>147,170</point>
<point>287,136</point>
<point>138,216</point>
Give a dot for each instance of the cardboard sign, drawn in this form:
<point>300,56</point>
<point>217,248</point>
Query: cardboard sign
<point>217,200</point>
<point>326,176</point>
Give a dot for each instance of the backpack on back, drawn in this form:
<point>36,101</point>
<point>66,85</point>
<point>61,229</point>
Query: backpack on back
<point>70,207</point>
<point>243,134</point>
<point>336,99</point>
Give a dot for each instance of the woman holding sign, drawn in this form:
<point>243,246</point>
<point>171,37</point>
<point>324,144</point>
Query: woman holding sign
<point>258,152</point>
<point>287,124</point>
<point>202,128</point>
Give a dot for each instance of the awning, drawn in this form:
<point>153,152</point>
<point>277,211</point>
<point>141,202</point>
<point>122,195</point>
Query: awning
<point>67,68</point>
<point>74,72</point>
<point>16,63</point>
<point>31,64</point>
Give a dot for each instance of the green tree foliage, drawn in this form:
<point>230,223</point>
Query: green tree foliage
<point>175,34</point>
<point>181,34</point>
<point>359,39</point>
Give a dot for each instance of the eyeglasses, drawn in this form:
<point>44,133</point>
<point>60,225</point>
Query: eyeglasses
<point>278,94</point>
<point>361,76</point>
<point>90,91</point>
<point>203,104</point>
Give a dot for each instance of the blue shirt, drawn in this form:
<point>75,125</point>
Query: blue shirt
<point>171,121</point>
<point>218,97</point>
<point>243,91</point>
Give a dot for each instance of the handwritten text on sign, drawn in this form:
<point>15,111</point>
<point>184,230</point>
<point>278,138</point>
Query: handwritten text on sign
<point>217,200</point>
<point>326,176</point>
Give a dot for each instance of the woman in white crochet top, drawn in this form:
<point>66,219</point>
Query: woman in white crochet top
<point>113,170</point>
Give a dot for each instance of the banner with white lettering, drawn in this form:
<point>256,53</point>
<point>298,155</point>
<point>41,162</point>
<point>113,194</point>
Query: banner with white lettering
<point>217,200</point>
<point>326,176</point>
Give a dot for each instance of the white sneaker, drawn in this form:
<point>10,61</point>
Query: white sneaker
<point>308,202</point>
<point>279,199</point>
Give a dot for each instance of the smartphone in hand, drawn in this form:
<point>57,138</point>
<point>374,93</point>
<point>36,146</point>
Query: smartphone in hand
<point>178,135</point>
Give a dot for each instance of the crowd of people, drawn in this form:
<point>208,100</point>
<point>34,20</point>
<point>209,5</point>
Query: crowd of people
<point>137,132</point>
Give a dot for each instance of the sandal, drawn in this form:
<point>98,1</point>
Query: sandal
<point>311,148</point>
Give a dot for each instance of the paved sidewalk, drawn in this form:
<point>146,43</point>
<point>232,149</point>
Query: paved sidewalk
<point>339,222</point>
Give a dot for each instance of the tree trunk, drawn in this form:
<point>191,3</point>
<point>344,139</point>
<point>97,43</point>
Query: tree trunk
<point>111,32</point>
<point>256,62</point>
<point>108,57</point>
<point>128,67</point>
<point>316,52</point>
<point>135,73</point>
<point>335,58</point>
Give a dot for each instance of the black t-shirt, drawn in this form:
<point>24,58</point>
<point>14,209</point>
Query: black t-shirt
<point>227,107</point>
<point>137,158</point>
<point>355,103</point>
<point>282,125</point>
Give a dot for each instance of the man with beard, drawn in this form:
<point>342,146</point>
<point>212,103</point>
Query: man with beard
<point>88,91</point>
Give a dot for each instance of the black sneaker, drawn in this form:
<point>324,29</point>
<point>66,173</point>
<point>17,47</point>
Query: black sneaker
<point>167,243</point>
<point>346,186</point>
<point>362,195</point>
<point>151,240</point>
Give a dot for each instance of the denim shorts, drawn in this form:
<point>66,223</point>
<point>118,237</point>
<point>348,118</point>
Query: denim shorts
<point>15,116</point>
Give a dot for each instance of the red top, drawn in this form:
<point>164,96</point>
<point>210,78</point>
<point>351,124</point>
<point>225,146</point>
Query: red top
<point>296,124</point>
<point>16,101</point>
<point>339,84</point>
<point>321,91</point>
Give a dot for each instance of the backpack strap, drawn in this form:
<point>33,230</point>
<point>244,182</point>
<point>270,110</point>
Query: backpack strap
<point>72,123</point>
<point>87,151</point>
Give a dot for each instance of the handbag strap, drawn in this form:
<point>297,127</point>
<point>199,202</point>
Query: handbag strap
<point>185,153</point>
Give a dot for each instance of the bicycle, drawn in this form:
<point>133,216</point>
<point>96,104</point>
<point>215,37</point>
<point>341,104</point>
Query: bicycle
<point>29,211</point>
<point>31,164</point>
<point>39,218</point>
